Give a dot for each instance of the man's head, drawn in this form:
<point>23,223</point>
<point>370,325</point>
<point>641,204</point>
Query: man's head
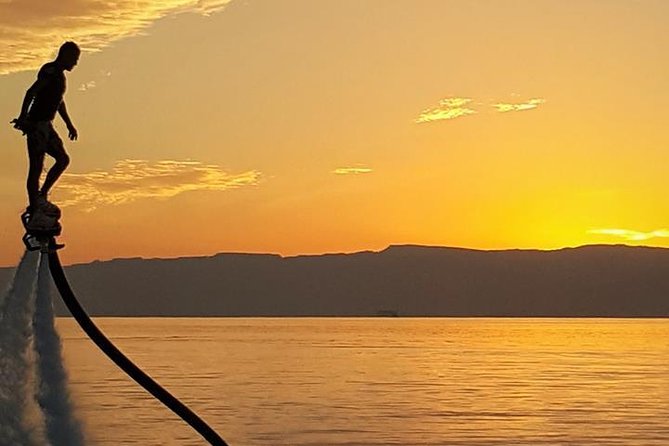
<point>68,55</point>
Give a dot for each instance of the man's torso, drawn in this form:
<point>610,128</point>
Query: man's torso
<point>48,99</point>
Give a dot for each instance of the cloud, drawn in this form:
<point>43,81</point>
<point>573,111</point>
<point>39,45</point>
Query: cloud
<point>352,170</point>
<point>456,107</point>
<point>132,180</point>
<point>632,235</point>
<point>103,75</point>
<point>449,108</point>
<point>87,86</point>
<point>520,106</point>
<point>32,30</point>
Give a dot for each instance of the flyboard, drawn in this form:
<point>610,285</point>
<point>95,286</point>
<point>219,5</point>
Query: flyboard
<point>42,227</point>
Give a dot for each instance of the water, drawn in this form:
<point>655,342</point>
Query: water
<point>382,381</point>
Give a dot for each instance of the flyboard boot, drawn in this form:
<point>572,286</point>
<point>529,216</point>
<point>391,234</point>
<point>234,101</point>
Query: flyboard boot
<point>42,225</point>
<point>46,207</point>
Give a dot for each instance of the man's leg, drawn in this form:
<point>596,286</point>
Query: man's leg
<point>36,164</point>
<point>54,173</point>
<point>57,151</point>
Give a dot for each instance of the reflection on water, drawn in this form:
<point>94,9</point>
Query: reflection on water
<point>383,381</point>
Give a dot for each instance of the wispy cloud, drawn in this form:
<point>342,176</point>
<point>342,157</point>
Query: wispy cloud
<point>103,76</point>
<point>87,86</point>
<point>449,108</point>
<point>631,235</point>
<point>504,107</point>
<point>132,180</point>
<point>32,30</point>
<point>356,170</point>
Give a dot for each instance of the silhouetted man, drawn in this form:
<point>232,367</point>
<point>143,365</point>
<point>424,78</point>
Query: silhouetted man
<point>42,101</point>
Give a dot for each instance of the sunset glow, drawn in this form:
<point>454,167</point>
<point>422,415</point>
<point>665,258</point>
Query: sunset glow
<point>299,127</point>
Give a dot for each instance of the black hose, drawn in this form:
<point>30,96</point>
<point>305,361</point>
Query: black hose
<point>122,361</point>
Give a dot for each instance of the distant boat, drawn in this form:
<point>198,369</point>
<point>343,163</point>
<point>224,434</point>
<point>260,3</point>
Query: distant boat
<point>387,313</point>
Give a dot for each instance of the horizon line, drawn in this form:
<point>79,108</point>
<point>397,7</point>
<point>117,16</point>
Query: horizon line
<point>364,251</point>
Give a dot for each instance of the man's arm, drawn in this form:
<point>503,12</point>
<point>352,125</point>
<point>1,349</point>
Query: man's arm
<point>28,99</point>
<point>62,111</point>
<point>19,123</point>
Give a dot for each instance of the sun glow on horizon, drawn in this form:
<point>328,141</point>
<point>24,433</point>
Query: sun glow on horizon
<point>632,235</point>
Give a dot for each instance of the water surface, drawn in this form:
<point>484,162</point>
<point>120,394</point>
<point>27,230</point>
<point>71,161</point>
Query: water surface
<point>380,381</point>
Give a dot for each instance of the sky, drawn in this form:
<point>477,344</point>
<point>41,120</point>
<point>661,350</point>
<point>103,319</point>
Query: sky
<point>303,127</point>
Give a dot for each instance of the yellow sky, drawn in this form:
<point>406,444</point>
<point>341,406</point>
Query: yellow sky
<point>306,127</point>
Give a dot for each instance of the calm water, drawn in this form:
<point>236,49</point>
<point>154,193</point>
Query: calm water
<point>380,381</point>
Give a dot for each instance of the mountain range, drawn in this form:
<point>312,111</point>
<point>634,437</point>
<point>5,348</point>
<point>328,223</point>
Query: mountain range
<point>407,280</point>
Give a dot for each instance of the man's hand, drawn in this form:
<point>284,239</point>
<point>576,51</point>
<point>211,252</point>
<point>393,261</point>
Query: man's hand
<point>20,123</point>
<point>73,134</point>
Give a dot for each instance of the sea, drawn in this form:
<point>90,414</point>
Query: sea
<point>378,381</point>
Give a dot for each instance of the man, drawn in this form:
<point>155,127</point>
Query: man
<point>41,103</point>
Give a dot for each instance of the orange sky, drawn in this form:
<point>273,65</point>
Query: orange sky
<point>305,127</point>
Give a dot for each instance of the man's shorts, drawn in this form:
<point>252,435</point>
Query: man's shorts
<point>42,138</point>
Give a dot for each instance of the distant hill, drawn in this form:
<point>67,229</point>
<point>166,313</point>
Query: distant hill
<point>606,281</point>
